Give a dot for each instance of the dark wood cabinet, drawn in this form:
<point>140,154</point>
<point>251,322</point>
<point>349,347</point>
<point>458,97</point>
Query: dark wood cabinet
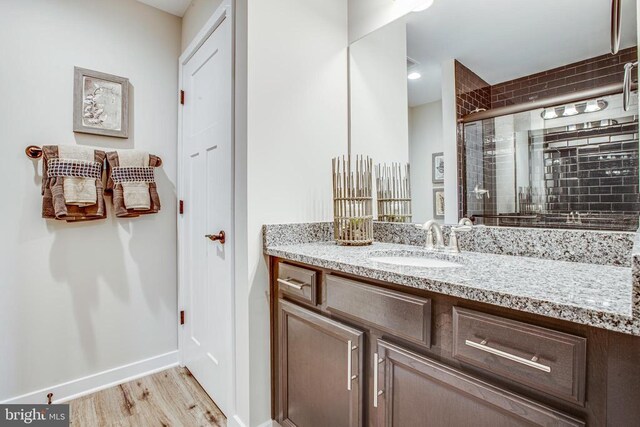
<point>415,358</point>
<point>320,370</point>
<point>413,390</point>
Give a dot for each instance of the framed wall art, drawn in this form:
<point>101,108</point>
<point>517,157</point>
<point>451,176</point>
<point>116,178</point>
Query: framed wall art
<point>438,203</point>
<point>100,103</point>
<point>437,168</point>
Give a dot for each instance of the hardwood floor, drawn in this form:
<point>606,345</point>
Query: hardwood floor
<point>169,398</point>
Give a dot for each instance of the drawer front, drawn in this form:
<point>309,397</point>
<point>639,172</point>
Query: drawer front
<point>402,315</point>
<point>546,360</point>
<point>297,282</point>
<point>413,390</point>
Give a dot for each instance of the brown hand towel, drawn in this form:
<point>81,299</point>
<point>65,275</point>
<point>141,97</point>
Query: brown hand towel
<point>117,174</point>
<point>53,198</point>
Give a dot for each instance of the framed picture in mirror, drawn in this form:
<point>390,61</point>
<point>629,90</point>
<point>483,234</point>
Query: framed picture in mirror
<point>438,203</point>
<point>437,168</point>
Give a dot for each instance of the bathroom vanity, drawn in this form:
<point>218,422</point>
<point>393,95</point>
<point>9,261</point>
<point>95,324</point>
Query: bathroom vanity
<point>369,336</point>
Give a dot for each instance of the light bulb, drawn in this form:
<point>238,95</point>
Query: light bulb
<point>592,106</point>
<point>570,110</point>
<point>424,5</point>
<point>414,75</point>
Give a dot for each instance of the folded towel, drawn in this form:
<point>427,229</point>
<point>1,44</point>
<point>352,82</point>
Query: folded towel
<point>78,191</point>
<point>56,171</point>
<point>135,193</point>
<point>119,177</point>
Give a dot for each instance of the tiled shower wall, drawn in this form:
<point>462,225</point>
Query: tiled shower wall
<point>593,170</point>
<point>472,93</point>
<point>588,74</point>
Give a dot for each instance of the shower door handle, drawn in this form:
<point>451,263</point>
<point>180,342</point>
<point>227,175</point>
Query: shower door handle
<point>626,85</point>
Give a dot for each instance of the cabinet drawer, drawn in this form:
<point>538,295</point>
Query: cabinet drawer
<point>298,282</point>
<point>550,361</point>
<point>405,316</point>
<point>412,390</point>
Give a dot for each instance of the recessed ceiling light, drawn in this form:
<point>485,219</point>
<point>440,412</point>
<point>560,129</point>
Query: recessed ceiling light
<point>414,75</point>
<point>424,5</point>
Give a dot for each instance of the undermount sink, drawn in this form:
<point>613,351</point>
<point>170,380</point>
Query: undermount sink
<point>415,261</point>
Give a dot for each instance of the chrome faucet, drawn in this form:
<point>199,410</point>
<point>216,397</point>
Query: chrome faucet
<point>464,225</point>
<point>432,228</point>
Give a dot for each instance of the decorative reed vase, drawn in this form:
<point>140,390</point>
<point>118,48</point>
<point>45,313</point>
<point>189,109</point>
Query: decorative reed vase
<point>393,187</point>
<point>352,201</point>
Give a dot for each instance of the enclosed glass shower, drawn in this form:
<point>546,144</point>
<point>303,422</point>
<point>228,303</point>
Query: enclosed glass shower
<point>568,166</point>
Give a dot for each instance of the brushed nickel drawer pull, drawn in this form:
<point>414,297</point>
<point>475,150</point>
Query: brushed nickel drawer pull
<point>531,363</point>
<point>350,377</point>
<point>292,283</point>
<point>376,392</point>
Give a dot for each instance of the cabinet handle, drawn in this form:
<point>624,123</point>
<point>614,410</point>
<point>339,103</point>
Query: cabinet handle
<point>376,392</point>
<point>292,284</point>
<point>350,377</point>
<point>533,362</point>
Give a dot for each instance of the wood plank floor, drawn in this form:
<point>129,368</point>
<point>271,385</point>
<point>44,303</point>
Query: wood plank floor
<point>169,398</point>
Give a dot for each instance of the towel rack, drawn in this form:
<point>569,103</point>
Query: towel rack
<point>35,152</point>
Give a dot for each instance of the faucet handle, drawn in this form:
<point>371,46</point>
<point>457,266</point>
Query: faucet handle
<point>461,228</point>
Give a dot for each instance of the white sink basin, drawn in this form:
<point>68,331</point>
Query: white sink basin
<point>414,261</point>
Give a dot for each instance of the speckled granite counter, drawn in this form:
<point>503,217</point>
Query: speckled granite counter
<point>595,295</point>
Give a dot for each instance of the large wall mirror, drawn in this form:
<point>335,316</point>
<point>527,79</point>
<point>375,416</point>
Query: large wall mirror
<point>509,112</point>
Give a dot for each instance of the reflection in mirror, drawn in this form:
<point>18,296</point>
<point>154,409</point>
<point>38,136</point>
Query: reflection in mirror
<point>509,112</point>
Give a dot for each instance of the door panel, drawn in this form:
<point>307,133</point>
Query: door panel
<point>207,165</point>
<point>320,368</point>
<point>417,391</point>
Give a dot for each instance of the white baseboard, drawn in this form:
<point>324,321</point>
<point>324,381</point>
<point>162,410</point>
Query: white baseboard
<point>96,382</point>
<point>235,421</point>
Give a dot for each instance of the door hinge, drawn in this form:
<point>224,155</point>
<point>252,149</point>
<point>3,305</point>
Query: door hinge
<point>181,97</point>
<point>181,206</point>
<point>182,317</point>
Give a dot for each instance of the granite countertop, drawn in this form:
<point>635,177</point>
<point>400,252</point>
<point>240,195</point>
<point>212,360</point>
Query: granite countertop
<point>596,295</point>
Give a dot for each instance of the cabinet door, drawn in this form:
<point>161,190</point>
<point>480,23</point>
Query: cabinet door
<point>320,370</point>
<point>412,390</point>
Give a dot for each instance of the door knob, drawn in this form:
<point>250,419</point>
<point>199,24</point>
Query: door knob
<point>213,237</point>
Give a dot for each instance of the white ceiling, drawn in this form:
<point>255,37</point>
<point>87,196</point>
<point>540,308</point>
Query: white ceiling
<point>502,40</point>
<point>174,7</point>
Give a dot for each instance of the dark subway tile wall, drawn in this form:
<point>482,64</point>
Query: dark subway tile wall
<point>587,74</point>
<point>594,172</point>
<point>597,186</point>
<point>471,93</point>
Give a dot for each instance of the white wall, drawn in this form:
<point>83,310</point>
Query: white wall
<point>366,16</point>
<point>449,129</point>
<point>425,138</point>
<point>194,18</point>
<point>78,299</point>
<point>297,121</point>
<point>379,104</point>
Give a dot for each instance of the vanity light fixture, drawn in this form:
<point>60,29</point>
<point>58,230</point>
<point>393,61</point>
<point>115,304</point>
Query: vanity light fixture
<point>570,110</point>
<point>591,106</point>
<point>549,113</point>
<point>414,75</point>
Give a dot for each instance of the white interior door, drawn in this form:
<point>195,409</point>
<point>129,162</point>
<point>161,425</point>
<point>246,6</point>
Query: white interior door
<point>207,190</point>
